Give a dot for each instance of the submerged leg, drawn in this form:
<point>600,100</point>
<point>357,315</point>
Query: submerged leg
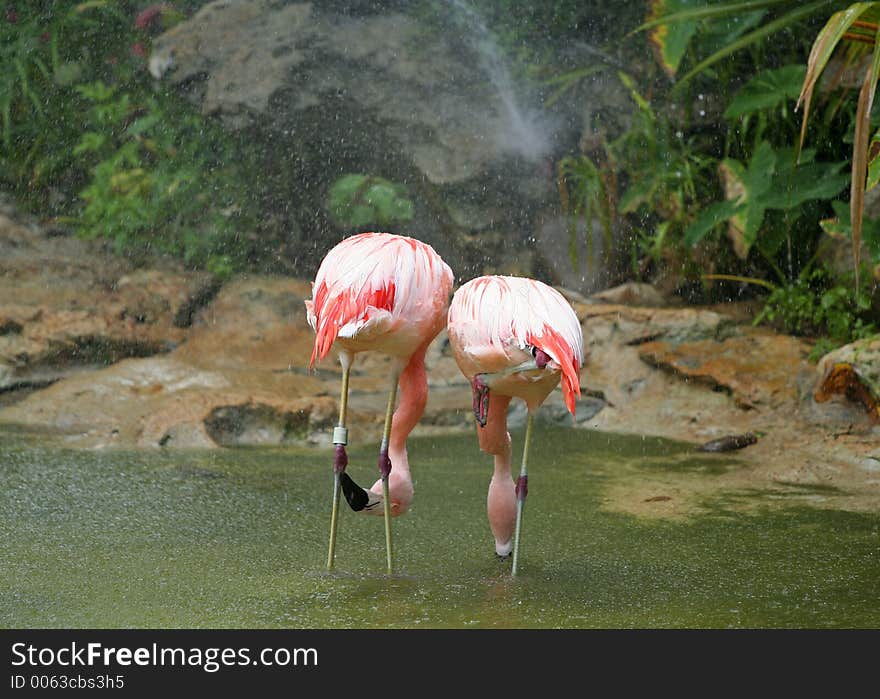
<point>522,489</point>
<point>385,465</point>
<point>340,458</point>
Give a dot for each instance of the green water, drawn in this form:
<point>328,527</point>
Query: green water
<point>237,538</point>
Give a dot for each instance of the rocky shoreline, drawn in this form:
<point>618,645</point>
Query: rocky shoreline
<point>108,355</point>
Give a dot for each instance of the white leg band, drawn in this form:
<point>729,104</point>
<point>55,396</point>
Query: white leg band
<point>340,435</point>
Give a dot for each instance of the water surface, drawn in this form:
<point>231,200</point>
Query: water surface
<point>237,538</point>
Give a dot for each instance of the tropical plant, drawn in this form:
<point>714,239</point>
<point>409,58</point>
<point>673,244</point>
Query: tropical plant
<point>357,200</point>
<point>651,172</point>
<point>162,180</point>
<point>46,49</point>
<point>586,193</point>
<point>771,89</point>
<point>772,179</point>
<point>85,137</point>
<point>857,27</point>
<point>813,305</point>
<point>673,25</point>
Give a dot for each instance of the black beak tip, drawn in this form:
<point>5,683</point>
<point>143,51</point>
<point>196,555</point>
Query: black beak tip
<point>355,496</point>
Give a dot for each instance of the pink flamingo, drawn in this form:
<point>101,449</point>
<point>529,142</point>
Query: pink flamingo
<point>387,293</point>
<point>512,337</point>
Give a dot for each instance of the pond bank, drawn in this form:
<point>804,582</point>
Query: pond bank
<point>114,356</point>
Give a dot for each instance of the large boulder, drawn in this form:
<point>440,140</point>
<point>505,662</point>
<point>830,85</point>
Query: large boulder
<point>323,92</point>
<point>68,304</point>
<point>852,374</point>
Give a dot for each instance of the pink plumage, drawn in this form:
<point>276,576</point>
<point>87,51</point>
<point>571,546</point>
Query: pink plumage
<point>494,323</point>
<point>378,291</point>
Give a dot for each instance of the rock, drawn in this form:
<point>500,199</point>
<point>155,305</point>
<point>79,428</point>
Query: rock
<point>633,325</point>
<point>383,93</point>
<point>232,370</point>
<point>756,367</point>
<point>150,296</point>
<point>66,304</point>
<point>238,377</point>
<point>728,443</point>
<point>414,82</point>
<point>637,398</point>
<point>554,412</point>
<point>852,371</point>
<point>165,402</point>
<point>631,294</point>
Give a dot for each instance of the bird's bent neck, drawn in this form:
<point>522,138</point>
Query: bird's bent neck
<point>413,397</point>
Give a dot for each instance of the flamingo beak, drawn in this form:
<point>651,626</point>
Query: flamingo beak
<point>359,499</point>
<point>542,359</point>
<point>481,400</point>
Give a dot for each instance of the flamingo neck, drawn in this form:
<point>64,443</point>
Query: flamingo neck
<point>413,398</point>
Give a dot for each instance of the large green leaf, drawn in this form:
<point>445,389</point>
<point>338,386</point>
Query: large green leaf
<point>670,41</point>
<point>709,218</point>
<point>759,34</point>
<point>714,36</point>
<point>761,168</point>
<point>820,53</point>
<point>770,180</point>
<point>793,187</point>
<point>703,11</point>
<point>767,89</point>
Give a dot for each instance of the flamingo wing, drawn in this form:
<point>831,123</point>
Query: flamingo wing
<point>369,283</point>
<point>495,319</point>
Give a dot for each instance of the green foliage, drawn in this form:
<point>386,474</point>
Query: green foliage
<point>356,201</point>
<point>766,90</point>
<point>840,227</point>
<point>585,195</point>
<point>45,49</point>
<point>813,305</point>
<point>677,25</point>
<point>730,27</point>
<point>718,150</point>
<point>772,179</point>
<point>160,181</point>
<point>86,136</point>
<point>858,26</point>
<point>665,174</point>
<point>651,173</point>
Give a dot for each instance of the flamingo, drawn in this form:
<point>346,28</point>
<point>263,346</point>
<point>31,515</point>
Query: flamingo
<point>512,337</point>
<point>387,293</point>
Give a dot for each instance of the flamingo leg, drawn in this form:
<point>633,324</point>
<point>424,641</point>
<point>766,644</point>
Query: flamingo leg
<point>340,458</point>
<point>522,489</point>
<point>385,465</point>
